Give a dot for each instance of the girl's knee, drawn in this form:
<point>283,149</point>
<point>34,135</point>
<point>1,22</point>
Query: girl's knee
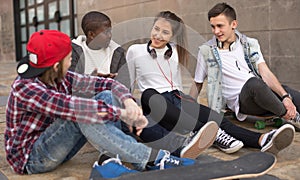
<point>146,95</point>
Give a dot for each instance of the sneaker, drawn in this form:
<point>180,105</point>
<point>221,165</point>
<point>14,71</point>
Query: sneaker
<point>164,161</point>
<point>110,168</point>
<point>102,158</point>
<point>279,139</point>
<point>199,141</point>
<point>227,143</point>
<point>296,121</point>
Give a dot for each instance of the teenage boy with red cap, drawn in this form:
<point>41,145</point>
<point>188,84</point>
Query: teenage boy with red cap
<point>47,126</point>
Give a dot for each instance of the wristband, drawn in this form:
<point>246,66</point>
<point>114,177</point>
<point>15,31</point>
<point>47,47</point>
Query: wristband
<point>288,95</point>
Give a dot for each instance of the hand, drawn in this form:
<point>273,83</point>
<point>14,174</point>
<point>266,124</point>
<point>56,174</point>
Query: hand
<point>112,75</point>
<point>290,107</point>
<point>109,75</point>
<point>133,116</point>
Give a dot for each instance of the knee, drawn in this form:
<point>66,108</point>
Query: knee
<point>105,96</point>
<point>145,99</point>
<point>255,83</point>
<point>43,165</point>
<point>105,93</point>
<point>146,95</point>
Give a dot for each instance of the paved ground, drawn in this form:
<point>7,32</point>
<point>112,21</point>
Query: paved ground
<point>287,167</point>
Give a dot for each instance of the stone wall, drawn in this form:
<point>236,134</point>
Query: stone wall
<point>273,22</point>
<point>7,41</point>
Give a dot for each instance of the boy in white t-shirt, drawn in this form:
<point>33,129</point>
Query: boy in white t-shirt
<point>238,76</point>
<point>95,52</point>
<point>237,73</point>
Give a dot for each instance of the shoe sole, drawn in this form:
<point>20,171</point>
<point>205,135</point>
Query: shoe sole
<point>282,138</point>
<point>202,140</point>
<point>296,125</point>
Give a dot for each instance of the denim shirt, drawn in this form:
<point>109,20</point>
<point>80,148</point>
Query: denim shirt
<point>210,53</point>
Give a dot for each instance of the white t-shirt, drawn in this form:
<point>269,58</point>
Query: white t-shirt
<point>235,73</point>
<point>156,73</point>
<point>100,59</point>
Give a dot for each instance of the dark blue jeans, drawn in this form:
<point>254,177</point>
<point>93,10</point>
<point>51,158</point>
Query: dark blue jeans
<point>175,111</point>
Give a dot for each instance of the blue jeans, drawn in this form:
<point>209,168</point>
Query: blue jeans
<point>63,139</point>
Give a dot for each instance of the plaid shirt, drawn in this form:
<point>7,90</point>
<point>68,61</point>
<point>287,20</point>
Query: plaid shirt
<point>33,106</point>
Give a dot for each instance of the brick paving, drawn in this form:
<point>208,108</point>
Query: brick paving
<point>287,167</point>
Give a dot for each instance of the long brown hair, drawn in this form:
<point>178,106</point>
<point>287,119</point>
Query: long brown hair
<point>50,77</point>
<point>179,32</point>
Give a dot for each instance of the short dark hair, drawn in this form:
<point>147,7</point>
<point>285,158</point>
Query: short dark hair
<point>93,20</point>
<point>222,8</point>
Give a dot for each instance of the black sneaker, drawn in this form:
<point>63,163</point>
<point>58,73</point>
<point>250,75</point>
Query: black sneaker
<point>227,143</point>
<point>279,139</point>
<point>197,142</point>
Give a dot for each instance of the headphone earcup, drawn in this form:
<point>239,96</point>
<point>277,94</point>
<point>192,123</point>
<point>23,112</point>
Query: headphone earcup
<point>153,53</point>
<point>220,44</point>
<point>232,46</point>
<point>168,54</point>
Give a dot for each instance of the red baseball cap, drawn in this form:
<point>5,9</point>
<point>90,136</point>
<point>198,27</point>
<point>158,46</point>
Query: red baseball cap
<point>45,48</point>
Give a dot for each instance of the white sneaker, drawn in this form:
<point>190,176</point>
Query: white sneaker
<point>279,139</point>
<point>296,121</point>
<point>227,143</point>
<point>197,142</point>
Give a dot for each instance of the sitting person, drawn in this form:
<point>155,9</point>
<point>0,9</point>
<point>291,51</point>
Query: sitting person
<point>238,75</point>
<point>95,52</point>
<point>46,125</point>
<point>155,66</point>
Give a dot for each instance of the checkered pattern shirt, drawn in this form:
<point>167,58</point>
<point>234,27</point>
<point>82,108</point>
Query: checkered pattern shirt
<point>33,106</point>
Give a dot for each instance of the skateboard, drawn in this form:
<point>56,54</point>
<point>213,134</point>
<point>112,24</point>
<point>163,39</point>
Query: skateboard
<point>269,121</point>
<point>2,176</point>
<point>251,165</point>
<point>261,122</point>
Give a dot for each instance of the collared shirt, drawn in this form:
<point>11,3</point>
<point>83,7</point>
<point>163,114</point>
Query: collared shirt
<point>33,106</point>
<point>210,64</point>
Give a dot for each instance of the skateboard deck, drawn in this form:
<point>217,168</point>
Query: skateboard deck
<point>251,165</point>
<point>260,122</point>
<point>2,176</point>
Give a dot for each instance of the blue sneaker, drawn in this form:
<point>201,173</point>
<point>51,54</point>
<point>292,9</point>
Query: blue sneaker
<point>164,161</point>
<point>110,168</point>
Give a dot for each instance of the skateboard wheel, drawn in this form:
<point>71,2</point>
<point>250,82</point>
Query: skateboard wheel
<point>260,124</point>
<point>278,122</point>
